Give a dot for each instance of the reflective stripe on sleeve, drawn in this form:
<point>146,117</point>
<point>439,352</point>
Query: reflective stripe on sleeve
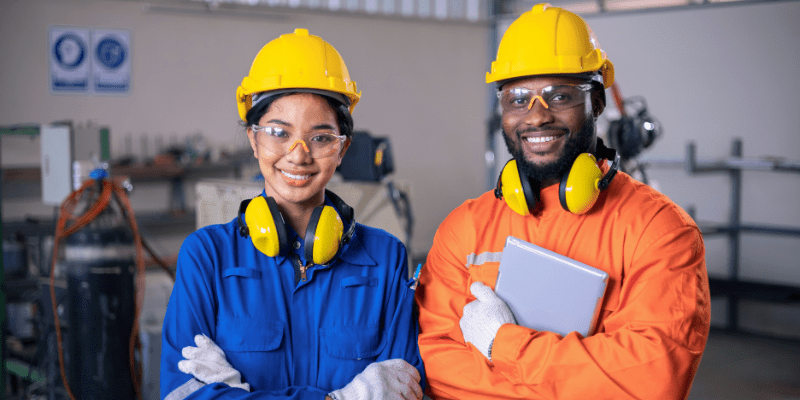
<point>479,259</point>
<point>183,391</point>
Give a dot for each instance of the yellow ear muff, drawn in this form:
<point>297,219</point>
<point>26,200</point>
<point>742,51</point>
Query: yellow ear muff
<point>323,235</point>
<point>514,190</point>
<point>268,234</point>
<point>580,187</point>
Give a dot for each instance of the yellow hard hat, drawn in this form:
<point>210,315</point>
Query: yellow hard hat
<point>549,40</point>
<point>297,61</point>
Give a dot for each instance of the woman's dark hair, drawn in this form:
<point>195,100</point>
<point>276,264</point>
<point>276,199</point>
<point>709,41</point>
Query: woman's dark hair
<point>343,117</point>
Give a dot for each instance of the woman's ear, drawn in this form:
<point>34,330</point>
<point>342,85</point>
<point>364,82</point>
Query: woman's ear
<point>252,138</point>
<point>345,146</point>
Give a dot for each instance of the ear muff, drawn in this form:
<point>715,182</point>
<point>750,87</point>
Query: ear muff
<point>579,189</point>
<point>323,235</point>
<point>267,232</point>
<point>323,238</point>
<point>515,188</point>
<point>582,185</point>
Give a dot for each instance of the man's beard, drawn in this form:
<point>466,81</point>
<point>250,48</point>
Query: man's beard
<point>576,144</point>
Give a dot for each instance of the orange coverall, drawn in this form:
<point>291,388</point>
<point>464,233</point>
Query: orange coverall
<point>652,327</point>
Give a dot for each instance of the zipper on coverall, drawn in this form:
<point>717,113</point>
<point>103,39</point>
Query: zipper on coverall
<point>300,270</point>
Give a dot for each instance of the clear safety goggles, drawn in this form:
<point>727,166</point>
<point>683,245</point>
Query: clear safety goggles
<point>278,141</point>
<point>519,100</point>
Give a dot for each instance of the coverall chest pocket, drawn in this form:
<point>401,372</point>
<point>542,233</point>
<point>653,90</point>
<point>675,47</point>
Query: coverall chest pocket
<point>255,348</point>
<point>346,351</point>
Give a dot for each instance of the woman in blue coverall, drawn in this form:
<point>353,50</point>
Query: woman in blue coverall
<point>293,299</point>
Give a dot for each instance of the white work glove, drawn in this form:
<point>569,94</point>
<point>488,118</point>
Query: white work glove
<point>390,379</point>
<point>483,318</point>
<point>208,364</point>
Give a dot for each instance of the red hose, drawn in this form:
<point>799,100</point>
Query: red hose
<point>617,94</point>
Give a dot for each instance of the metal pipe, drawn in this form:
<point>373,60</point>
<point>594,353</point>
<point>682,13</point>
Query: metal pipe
<point>707,165</point>
<point>3,322</point>
<point>285,13</point>
<point>490,156</point>
<point>713,229</point>
<point>691,161</point>
<point>606,12</point>
<point>734,238</point>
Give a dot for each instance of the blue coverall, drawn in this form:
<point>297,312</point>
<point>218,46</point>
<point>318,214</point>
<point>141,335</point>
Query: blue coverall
<point>289,340</point>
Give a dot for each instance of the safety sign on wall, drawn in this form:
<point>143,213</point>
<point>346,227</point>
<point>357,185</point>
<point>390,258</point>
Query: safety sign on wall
<point>69,59</point>
<point>111,64</point>
<point>86,60</point>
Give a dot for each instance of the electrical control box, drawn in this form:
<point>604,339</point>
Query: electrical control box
<point>57,157</point>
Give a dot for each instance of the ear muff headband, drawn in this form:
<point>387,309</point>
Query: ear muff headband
<point>345,211</point>
<point>323,238</point>
<point>607,153</point>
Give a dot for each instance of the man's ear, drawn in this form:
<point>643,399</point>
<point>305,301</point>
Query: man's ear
<point>598,102</point>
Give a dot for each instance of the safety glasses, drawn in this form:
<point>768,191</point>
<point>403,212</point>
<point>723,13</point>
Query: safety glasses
<point>278,141</point>
<point>519,100</point>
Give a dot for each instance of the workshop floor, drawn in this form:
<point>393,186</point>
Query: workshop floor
<point>744,367</point>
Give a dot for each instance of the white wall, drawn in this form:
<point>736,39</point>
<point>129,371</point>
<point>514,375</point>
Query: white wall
<point>422,85</point>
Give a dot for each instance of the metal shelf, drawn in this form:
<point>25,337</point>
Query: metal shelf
<point>184,221</point>
<point>732,287</point>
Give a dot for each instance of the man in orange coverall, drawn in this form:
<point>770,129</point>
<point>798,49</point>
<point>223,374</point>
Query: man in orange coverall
<point>654,318</point>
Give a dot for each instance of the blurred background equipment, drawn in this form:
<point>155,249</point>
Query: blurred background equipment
<point>94,284</point>
<point>368,159</point>
<point>101,259</point>
<point>75,285</point>
<point>635,131</point>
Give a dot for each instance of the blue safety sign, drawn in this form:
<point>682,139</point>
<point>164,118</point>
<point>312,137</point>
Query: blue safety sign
<point>111,65</point>
<point>111,53</point>
<point>69,59</point>
<point>69,50</point>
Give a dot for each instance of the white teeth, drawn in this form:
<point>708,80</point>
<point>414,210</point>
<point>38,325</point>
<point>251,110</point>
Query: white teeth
<point>296,177</point>
<point>540,139</point>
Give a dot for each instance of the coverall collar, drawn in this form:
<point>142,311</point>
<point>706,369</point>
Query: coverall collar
<point>354,252</point>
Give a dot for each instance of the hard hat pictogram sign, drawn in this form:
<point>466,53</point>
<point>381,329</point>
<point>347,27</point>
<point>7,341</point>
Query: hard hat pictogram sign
<point>69,59</point>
